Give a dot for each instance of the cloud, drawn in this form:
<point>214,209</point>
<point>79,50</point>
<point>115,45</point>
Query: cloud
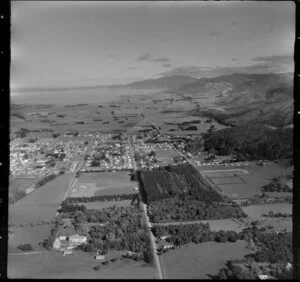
<point>132,68</point>
<point>163,59</point>
<point>112,56</point>
<point>149,58</point>
<point>234,59</point>
<point>215,33</point>
<point>166,65</point>
<point>276,59</point>
<point>145,57</point>
<point>258,68</point>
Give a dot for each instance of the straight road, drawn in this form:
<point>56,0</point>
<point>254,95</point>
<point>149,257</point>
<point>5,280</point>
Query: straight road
<point>28,253</point>
<point>78,168</point>
<point>152,238</point>
<point>149,225</point>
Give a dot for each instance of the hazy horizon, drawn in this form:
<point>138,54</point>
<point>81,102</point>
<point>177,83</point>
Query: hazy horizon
<point>81,44</point>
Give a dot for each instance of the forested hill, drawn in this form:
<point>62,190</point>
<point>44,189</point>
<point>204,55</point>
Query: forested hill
<point>249,142</point>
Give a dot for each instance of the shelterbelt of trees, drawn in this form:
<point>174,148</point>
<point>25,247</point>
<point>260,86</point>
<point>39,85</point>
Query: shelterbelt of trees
<point>180,193</point>
<point>249,142</point>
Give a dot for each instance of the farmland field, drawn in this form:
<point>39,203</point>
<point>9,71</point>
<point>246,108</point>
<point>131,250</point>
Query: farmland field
<point>28,235</point>
<point>21,183</point>
<point>235,184</point>
<point>255,211</point>
<point>103,183</point>
<point>166,154</point>
<point>40,205</point>
<point>34,209</point>
<point>199,261</point>
<point>54,265</point>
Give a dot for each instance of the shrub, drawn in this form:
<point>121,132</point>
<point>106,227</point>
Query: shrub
<point>25,247</point>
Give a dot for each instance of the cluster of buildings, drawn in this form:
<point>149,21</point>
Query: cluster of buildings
<point>65,244</point>
<point>109,155</point>
<point>40,157</point>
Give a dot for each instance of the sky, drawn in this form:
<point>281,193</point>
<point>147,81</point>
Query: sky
<point>72,43</point>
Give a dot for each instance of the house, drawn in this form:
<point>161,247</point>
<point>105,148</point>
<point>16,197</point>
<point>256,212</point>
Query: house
<point>56,244</point>
<point>77,239</point>
<point>164,237</point>
<point>264,277</point>
<point>67,252</point>
<point>62,237</point>
<point>168,246</point>
<point>99,257</point>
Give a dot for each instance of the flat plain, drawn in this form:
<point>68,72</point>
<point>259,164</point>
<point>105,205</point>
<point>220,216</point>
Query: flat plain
<point>103,183</point>
<point>198,261</point>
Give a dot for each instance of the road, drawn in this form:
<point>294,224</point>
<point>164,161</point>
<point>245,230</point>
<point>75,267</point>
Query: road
<point>152,239</point>
<point>149,225</point>
<point>191,163</point>
<point>78,168</point>
<point>28,253</point>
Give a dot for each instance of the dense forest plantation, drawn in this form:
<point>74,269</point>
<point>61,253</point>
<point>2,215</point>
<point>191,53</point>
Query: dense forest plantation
<point>180,193</point>
<point>248,142</point>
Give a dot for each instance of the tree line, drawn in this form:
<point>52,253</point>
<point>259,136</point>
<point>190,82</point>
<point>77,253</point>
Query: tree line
<point>251,142</point>
<point>102,198</point>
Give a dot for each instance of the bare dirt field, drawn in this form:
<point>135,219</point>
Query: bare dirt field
<point>75,266</point>
<point>103,183</point>
<point>198,261</point>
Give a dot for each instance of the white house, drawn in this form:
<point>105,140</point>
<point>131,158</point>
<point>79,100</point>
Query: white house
<point>56,244</point>
<point>77,239</point>
<point>100,257</point>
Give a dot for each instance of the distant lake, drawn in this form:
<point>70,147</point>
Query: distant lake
<point>89,96</point>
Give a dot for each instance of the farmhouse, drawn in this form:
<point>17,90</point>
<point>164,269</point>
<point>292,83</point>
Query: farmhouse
<point>77,239</point>
<point>56,244</point>
<point>99,257</point>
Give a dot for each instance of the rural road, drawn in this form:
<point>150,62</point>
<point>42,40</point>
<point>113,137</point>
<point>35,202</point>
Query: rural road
<point>78,168</point>
<point>149,225</point>
<point>152,238</point>
<point>28,253</point>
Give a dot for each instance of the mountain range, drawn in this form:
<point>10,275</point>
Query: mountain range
<point>236,97</point>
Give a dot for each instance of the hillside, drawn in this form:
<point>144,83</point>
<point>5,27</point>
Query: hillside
<point>167,82</point>
<point>249,141</point>
<point>264,98</point>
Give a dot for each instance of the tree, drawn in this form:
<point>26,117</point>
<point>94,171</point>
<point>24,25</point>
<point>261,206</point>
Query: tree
<point>25,247</point>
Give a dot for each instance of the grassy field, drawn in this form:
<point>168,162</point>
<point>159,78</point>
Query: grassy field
<point>28,235</point>
<point>237,184</point>
<point>21,183</point>
<point>166,154</point>
<point>225,224</point>
<point>75,266</point>
<point>103,183</point>
<point>40,205</point>
<point>199,261</point>
<point>255,213</point>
